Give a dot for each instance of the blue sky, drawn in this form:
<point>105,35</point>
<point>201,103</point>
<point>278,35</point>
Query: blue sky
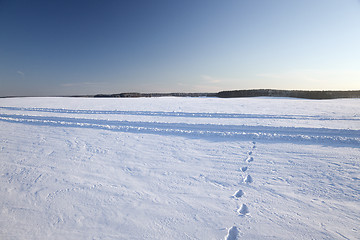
<point>88,47</point>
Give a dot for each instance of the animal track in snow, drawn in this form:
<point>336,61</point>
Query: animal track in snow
<point>243,210</point>
<point>238,194</point>
<point>248,179</point>
<point>243,169</point>
<point>232,234</point>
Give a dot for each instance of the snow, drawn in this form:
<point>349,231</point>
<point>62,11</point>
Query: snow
<point>179,168</point>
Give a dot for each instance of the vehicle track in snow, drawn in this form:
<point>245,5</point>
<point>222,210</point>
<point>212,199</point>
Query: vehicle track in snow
<point>182,114</point>
<point>293,134</point>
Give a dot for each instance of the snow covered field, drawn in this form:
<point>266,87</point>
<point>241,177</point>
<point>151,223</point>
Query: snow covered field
<point>179,168</point>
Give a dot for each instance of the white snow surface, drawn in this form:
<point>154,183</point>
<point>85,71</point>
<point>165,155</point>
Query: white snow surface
<point>179,168</point>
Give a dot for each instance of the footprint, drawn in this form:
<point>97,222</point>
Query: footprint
<point>233,234</point>
<point>243,169</point>
<point>249,159</point>
<point>243,210</point>
<point>238,194</point>
<point>250,153</point>
<point>248,179</point>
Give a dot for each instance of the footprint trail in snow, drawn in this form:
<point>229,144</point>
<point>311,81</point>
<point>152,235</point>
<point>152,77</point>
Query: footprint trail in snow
<point>249,159</point>
<point>248,179</point>
<point>232,234</point>
<point>243,210</point>
<point>238,194</point>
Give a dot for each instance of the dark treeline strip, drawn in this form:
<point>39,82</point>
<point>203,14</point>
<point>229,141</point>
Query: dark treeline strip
<point>289,93</point>
<point>233,94</point>
<point>246,93</point>
<point>135,94</point>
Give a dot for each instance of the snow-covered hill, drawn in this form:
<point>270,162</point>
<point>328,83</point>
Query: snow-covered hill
<point>179,168</point>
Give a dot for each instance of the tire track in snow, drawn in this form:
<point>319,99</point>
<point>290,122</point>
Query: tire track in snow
<point>313,135</point>
<point>180,114</point>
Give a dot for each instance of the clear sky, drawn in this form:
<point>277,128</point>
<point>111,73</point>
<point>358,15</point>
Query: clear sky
<point>87,47</point>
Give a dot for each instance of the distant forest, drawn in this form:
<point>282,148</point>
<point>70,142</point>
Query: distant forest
<point>232,94</point>
<point>246,93</point>
<point>289,93</point>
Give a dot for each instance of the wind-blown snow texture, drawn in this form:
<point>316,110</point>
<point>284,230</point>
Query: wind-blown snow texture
<point>179,168</point>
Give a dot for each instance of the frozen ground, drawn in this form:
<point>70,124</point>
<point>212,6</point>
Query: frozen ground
<point>179,168</point>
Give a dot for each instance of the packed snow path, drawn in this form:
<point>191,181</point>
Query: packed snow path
<point>179,168</point>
